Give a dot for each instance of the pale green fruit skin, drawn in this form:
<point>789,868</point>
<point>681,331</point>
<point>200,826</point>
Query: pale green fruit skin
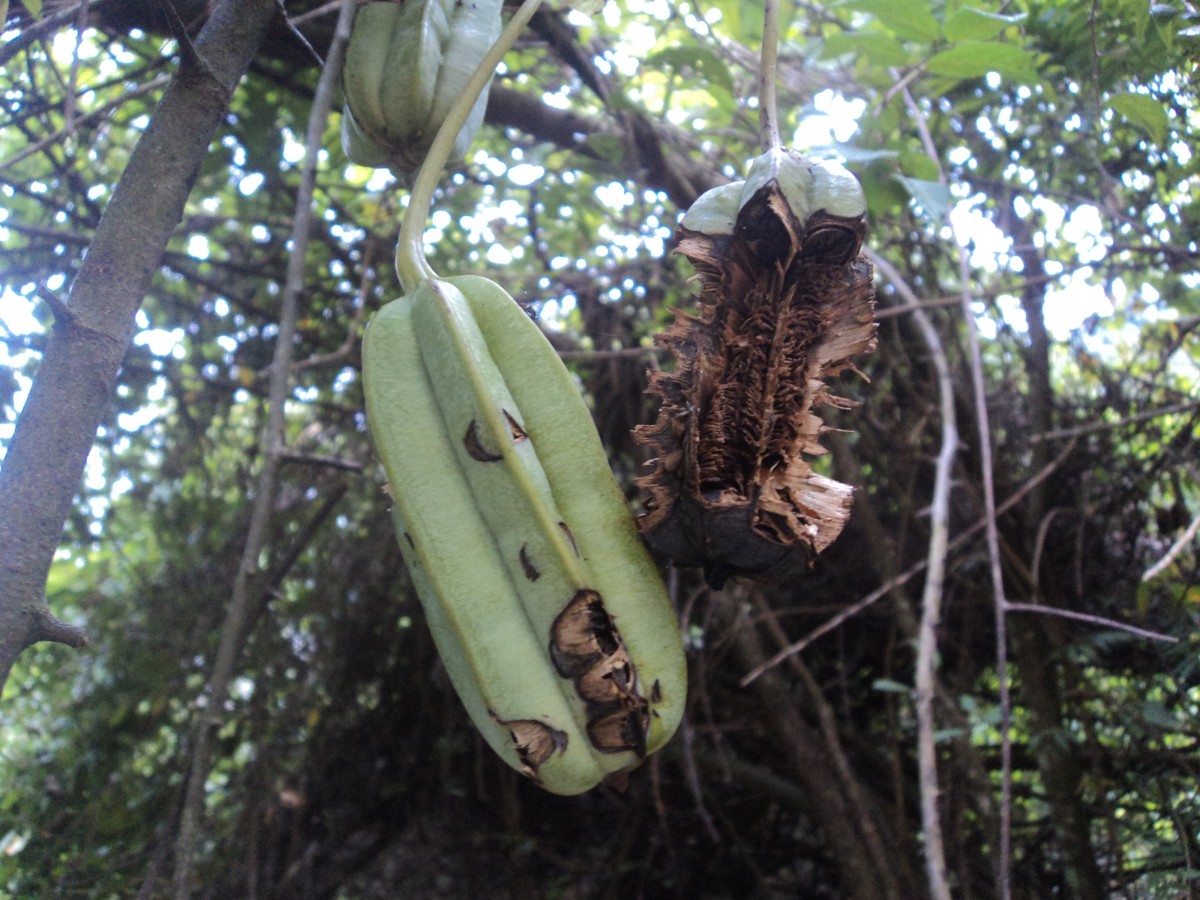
<point>428,369</point>
<point>790,171</point>
<point>405,66</point>
<point>573,458</point>
<point>715,211</point>
<point>809,186</point>
<point>359,148</point>
<point>464,589</point>
<point>475,27</point>
<point>837,191</point>
<point>411,72</point>
<point>365,67</point>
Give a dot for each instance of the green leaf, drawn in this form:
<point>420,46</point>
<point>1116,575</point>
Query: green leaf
<point>700,60</point>
<point>971,24</point>
<point>1155,713</point>
<point>852,153</point>
<point>917,164</point>
<point>880,49</point>
<point>34,6</point>
<point>947,734</point>
<point>888,686</point>
<point>932,196</point>
<point>1142,111</point>
<point>885,195</point>
<point>910,20</point>
<point>739,19</point>
<point>974,59</point>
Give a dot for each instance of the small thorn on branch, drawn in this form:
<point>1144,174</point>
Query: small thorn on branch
<point>188,53</point>
<point>49,628</point>
<point>62,313</point>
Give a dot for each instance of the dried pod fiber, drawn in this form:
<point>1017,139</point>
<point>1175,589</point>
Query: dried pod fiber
<point>786,301</point>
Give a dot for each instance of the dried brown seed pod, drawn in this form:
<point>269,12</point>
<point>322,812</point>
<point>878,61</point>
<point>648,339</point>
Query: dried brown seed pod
<point>786,302</point>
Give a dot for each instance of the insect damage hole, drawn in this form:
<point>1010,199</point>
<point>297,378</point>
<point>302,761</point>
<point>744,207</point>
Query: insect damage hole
<point>609,681</point>
<point>586,647</point>
<point>534,741</point>
<point>474,445</point>
<point>518,433</point>
<point>531,571</point>
<point>582,635</point>
<point>566,530</point>
<point>621,731</point>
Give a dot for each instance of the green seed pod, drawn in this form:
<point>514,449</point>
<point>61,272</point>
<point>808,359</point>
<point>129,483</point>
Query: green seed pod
<point>551,618</point>
<point>406,63</point>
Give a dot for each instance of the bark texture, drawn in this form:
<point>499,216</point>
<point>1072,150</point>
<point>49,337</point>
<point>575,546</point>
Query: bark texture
<point>92,330</point>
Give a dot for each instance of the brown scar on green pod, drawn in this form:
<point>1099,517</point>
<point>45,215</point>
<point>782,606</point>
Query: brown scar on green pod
<point>473,442</point>
<point>531,571</point>
<point>534,741</point>
<point>586,648</point>
<point>786,301</point>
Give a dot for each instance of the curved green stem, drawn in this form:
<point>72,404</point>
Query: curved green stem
<point>768,115</point>
<point>411,265</point>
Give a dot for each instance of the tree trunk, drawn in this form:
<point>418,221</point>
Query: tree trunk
<point>857,834</point>
<point>92,331</point>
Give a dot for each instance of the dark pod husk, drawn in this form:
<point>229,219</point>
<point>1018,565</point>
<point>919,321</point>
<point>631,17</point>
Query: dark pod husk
<point>786,302</point>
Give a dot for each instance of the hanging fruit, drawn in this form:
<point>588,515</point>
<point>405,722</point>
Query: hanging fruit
<point>406,64</point>
<point>786,302</point>
<point>550,616</point>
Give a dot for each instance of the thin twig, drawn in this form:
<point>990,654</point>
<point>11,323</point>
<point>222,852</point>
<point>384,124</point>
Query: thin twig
<point>323,10</point>
<point>624,353</point>
<point>902,82</point>
<point>1039,546</point>
<point>931,605</point>
<point>939,545</point>
<point>905,576</point>
<point>888,312</point>
<point>100,112</point>
<point>1091,619</point>
<point>835,750</point>
<point>411,264</point>
<point>354,332</point>
<point>1186,538</point>
<point>987,476</point>
<point>41,28</point>
<point>317,459</point>
<point>692,776</point>
<point>61,312</point>
<point>1060,433</point>
<point>240,602</point>
<point>70,99</point>
<point>1000,604</point>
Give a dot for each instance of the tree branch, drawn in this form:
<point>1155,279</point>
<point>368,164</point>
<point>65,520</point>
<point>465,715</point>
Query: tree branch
<point>271,446</point>
<point>74,385</point>
<point>1161,566</point>
<point>656,153</point>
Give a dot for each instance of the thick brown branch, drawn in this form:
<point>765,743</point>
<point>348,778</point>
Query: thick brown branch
<point>651,154</point>
<point>45,459</point>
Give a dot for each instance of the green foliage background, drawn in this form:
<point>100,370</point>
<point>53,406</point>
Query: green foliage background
<point>1053,140</point>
